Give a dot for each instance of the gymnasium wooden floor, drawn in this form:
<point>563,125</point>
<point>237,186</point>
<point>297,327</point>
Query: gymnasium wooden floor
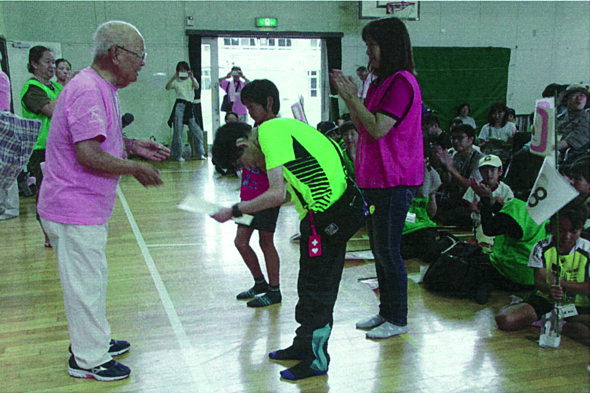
<point>172,287</point>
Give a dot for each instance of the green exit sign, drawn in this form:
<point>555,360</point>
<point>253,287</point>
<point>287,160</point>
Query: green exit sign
<point>267,22</point>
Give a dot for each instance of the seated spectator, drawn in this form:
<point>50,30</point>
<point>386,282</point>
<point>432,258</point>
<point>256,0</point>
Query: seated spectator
<point>329,129</point>
<point>496,136</point>
<point>431,129</point>
<point>573,125</point>
<point>420,234</point>
<point>463,115</point>
<point>573,285</point>
<point>555,90</point>
<point>343,119</point>
<point>512,117</point>
<point>231,117</point>
<point>522,171</point>
<point>455,122</point>
<point>490,168</point>
<point>456,172</point>
<point>350,136</point>
<point>578,173</point>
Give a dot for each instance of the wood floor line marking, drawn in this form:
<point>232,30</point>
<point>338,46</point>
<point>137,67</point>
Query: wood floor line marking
<point>188,351</point>
<point>173,245</point>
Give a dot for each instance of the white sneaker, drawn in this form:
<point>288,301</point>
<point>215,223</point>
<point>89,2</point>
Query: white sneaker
<point>386,330</point>
<point>371,322</point>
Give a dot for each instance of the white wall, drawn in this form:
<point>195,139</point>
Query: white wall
<point>550,40</point>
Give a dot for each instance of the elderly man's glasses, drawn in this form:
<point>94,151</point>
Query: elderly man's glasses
<point>142,56</point>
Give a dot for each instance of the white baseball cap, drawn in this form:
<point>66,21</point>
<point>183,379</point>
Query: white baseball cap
<point>490,160</point>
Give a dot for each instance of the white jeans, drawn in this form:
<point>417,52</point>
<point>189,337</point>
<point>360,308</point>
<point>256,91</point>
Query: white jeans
<point>83,272</point>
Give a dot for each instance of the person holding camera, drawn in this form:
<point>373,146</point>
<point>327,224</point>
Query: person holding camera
<point>232,84</point>
<point>184,112</point>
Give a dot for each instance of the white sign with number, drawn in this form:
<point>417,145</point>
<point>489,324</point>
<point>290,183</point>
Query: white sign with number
<point>550,193</point>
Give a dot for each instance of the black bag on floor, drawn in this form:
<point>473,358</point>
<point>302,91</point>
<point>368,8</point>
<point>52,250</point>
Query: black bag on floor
<point>456,271</point>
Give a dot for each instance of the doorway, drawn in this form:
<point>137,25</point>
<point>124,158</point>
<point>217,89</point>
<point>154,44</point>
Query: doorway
<point>296,63</point>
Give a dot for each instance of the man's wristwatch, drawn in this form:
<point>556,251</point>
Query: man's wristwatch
<point>235,211</point>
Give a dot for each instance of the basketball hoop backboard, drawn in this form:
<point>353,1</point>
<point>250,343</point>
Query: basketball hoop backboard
<point>406,10</point>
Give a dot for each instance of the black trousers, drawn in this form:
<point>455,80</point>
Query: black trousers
<point>317,286</point>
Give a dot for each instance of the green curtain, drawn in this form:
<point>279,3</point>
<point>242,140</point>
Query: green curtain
<point>449,77</point>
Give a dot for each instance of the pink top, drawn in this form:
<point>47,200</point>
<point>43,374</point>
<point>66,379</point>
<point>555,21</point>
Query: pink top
<point>254,183</point>
<point>397,159</point>
<point>237,107</point>
<point>88,108</point>
<point>4,91</point>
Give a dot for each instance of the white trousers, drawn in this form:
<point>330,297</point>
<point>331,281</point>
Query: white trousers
<point>83,272</point>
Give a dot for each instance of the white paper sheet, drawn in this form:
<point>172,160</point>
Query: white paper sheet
<point>197,205</point>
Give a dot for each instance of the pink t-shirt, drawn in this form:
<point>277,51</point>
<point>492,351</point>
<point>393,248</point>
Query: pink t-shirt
<point>87,108</point>
<point>397,159</point>
<point>237,107</point>
<point>4,91</point>
<point>254,183</point>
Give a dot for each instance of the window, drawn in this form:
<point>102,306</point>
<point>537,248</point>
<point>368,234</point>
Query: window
<point>284,42</point>
<point>231,42</point>
<point>247,42</point>
<point>313,83</point>
<point>205,79</point>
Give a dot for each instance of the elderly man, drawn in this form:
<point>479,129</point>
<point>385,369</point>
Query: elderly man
<point>573,125</point>
<point>366,78</point>
<point>86,155</point>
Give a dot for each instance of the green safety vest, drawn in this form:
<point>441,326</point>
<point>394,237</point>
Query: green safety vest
<point>27,114</point>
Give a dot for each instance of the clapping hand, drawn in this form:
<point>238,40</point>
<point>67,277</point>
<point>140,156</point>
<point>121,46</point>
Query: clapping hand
<point>345,85</point>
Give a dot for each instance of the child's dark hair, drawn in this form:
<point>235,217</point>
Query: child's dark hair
<point>580,166</point>
<point>430,119</point>
<point>347,126</point>
<point>258,92</point>
<point>225,153</point>
<point>466,128</point>
<point>576,211</point>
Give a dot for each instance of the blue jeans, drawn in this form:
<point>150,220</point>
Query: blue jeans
<point>194,129</point>
<point>385,227</point>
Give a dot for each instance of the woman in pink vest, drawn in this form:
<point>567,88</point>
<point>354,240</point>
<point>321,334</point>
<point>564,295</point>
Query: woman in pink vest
<point>389,161</point>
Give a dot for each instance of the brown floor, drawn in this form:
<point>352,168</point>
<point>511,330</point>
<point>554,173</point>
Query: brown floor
<point>173,281</point>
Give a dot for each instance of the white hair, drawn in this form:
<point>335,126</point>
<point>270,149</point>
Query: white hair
<point>109,34</point>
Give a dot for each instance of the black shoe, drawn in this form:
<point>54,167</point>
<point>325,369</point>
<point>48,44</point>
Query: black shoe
<point>109,371</point>
<point>116,347</point>
<point>24,187</point>
<point>290,353</point>
<point>257,289</point>
<point>268,299</point>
